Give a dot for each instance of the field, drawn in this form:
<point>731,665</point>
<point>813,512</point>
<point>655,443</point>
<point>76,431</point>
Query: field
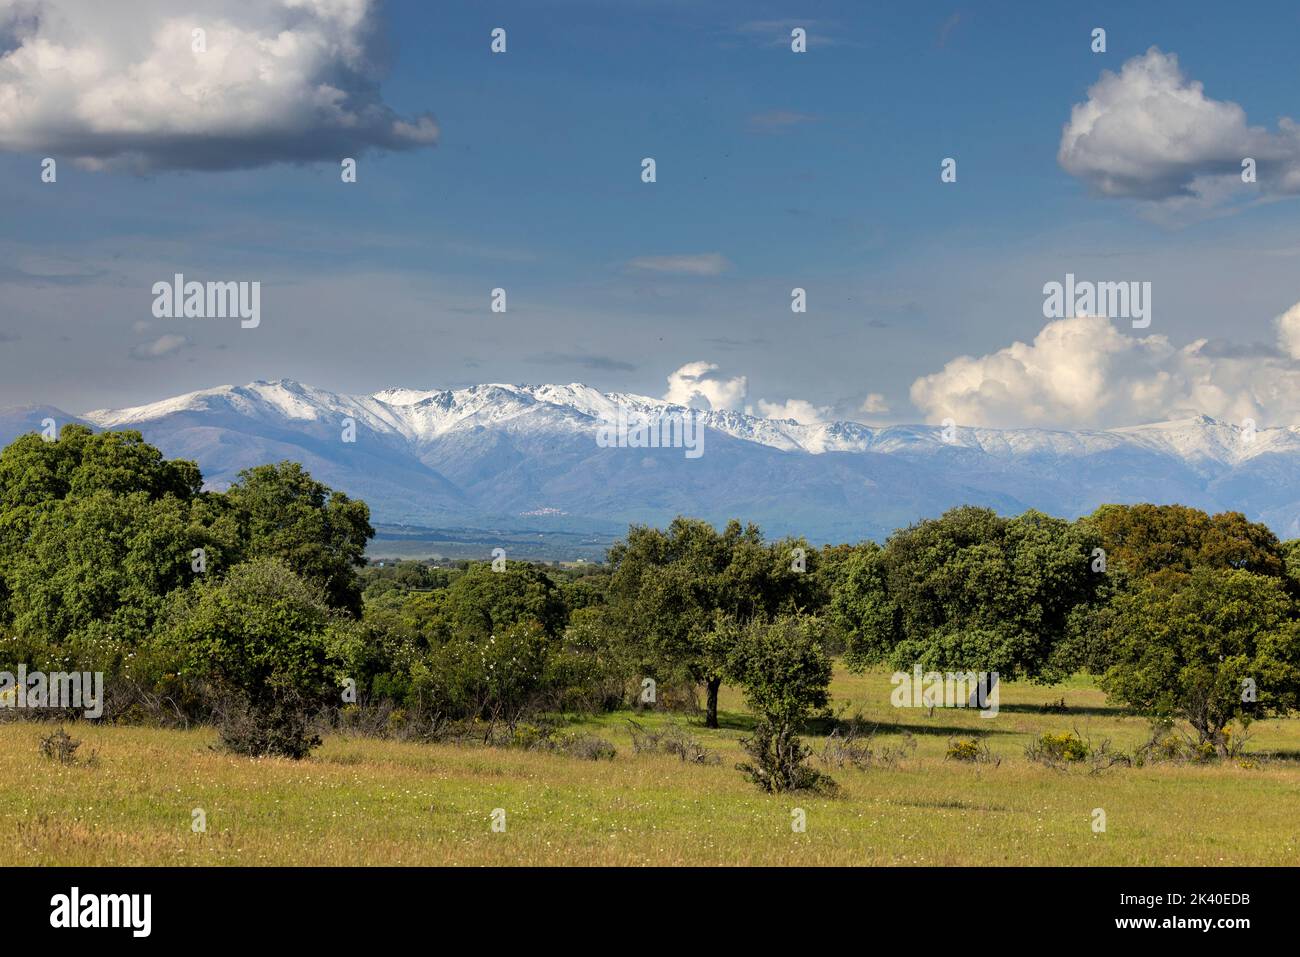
<point>360,801</point>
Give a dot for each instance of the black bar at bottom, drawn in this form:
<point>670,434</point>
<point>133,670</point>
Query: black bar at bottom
<point>335,906</point>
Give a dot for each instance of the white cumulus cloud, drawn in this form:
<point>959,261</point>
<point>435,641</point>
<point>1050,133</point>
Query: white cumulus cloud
<point>874,404</point>
<point>699,385</point>
<point>1084,373</point>
<point>278,80</point>
<point>801,410</point>
<point>1288,331</point>
<point>1151,133</point>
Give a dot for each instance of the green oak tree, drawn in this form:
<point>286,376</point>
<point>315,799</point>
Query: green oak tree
<point>687,591</point>
<point>1210,646</point>
<point>1143,539</point>
<point>969,591</point>
<point>282,512</point>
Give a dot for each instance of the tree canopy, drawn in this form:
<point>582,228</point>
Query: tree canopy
<point>117,559</point>
<point>689,590</point>
<point>970,590</point>
<point>1211,646</point>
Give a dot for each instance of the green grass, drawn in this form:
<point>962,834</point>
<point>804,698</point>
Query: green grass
<point>360,801</point>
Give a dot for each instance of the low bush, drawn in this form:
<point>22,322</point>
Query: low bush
<point>671,739</point>
<point>282,725</point>
<point>1051,748</point>
<point>852,746</point>
<point>973,750</point>
<point>589,747</point>
<point>1169,743</point>
<point>62,747</point>
<point>778,762</point>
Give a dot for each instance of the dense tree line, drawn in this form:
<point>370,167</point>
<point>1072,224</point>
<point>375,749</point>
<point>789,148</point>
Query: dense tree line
<point>114,559</point>
<point>1179,613</point>
<point>253,607</point>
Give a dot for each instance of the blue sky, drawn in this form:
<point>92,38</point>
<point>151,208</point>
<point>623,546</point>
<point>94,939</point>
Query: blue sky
<point>775,170</point>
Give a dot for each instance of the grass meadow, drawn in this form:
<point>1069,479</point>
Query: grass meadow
<point>365,801</point>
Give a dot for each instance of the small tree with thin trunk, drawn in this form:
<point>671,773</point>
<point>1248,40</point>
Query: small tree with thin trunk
<point>785,674</point>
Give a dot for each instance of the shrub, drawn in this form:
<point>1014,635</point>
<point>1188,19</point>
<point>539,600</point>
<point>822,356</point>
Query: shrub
<point>62,747</point>
<point>971,749</point>
<point>1169,743</point>
<point>384,719</point>
<point>1163,744</point>
<point>499,679</point>
<point>1065,746</point>
<point>260,640</point>
<point>527,736</point>
<point>1103,757</point>
<point>785,673</point>
<point>587,746</point>
<point>596,668</point>
<point>671,739</point>
<point>281,725</point>
<point>854,748</point>
<point>543,737</point>
<point>778,762</point>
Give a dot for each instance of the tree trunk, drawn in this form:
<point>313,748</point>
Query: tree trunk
<point>1221,742</point>
<point>985,684</point>
<point>711,707</point>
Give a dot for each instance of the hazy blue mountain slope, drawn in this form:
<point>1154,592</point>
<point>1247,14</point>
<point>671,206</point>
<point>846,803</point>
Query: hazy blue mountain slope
<point>502,456</point>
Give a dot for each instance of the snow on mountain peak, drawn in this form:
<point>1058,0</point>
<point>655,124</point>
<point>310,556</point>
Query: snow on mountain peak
<point>424,415</point>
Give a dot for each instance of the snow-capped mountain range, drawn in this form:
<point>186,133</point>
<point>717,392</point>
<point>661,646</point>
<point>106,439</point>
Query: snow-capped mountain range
<point>491,455</point>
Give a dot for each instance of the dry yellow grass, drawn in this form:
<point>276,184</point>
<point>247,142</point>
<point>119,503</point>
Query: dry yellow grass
<point>364,801</point>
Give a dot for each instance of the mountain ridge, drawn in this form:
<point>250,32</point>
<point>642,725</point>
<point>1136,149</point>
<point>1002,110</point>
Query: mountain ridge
<point>852,436</point>
<point>498,453</point>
